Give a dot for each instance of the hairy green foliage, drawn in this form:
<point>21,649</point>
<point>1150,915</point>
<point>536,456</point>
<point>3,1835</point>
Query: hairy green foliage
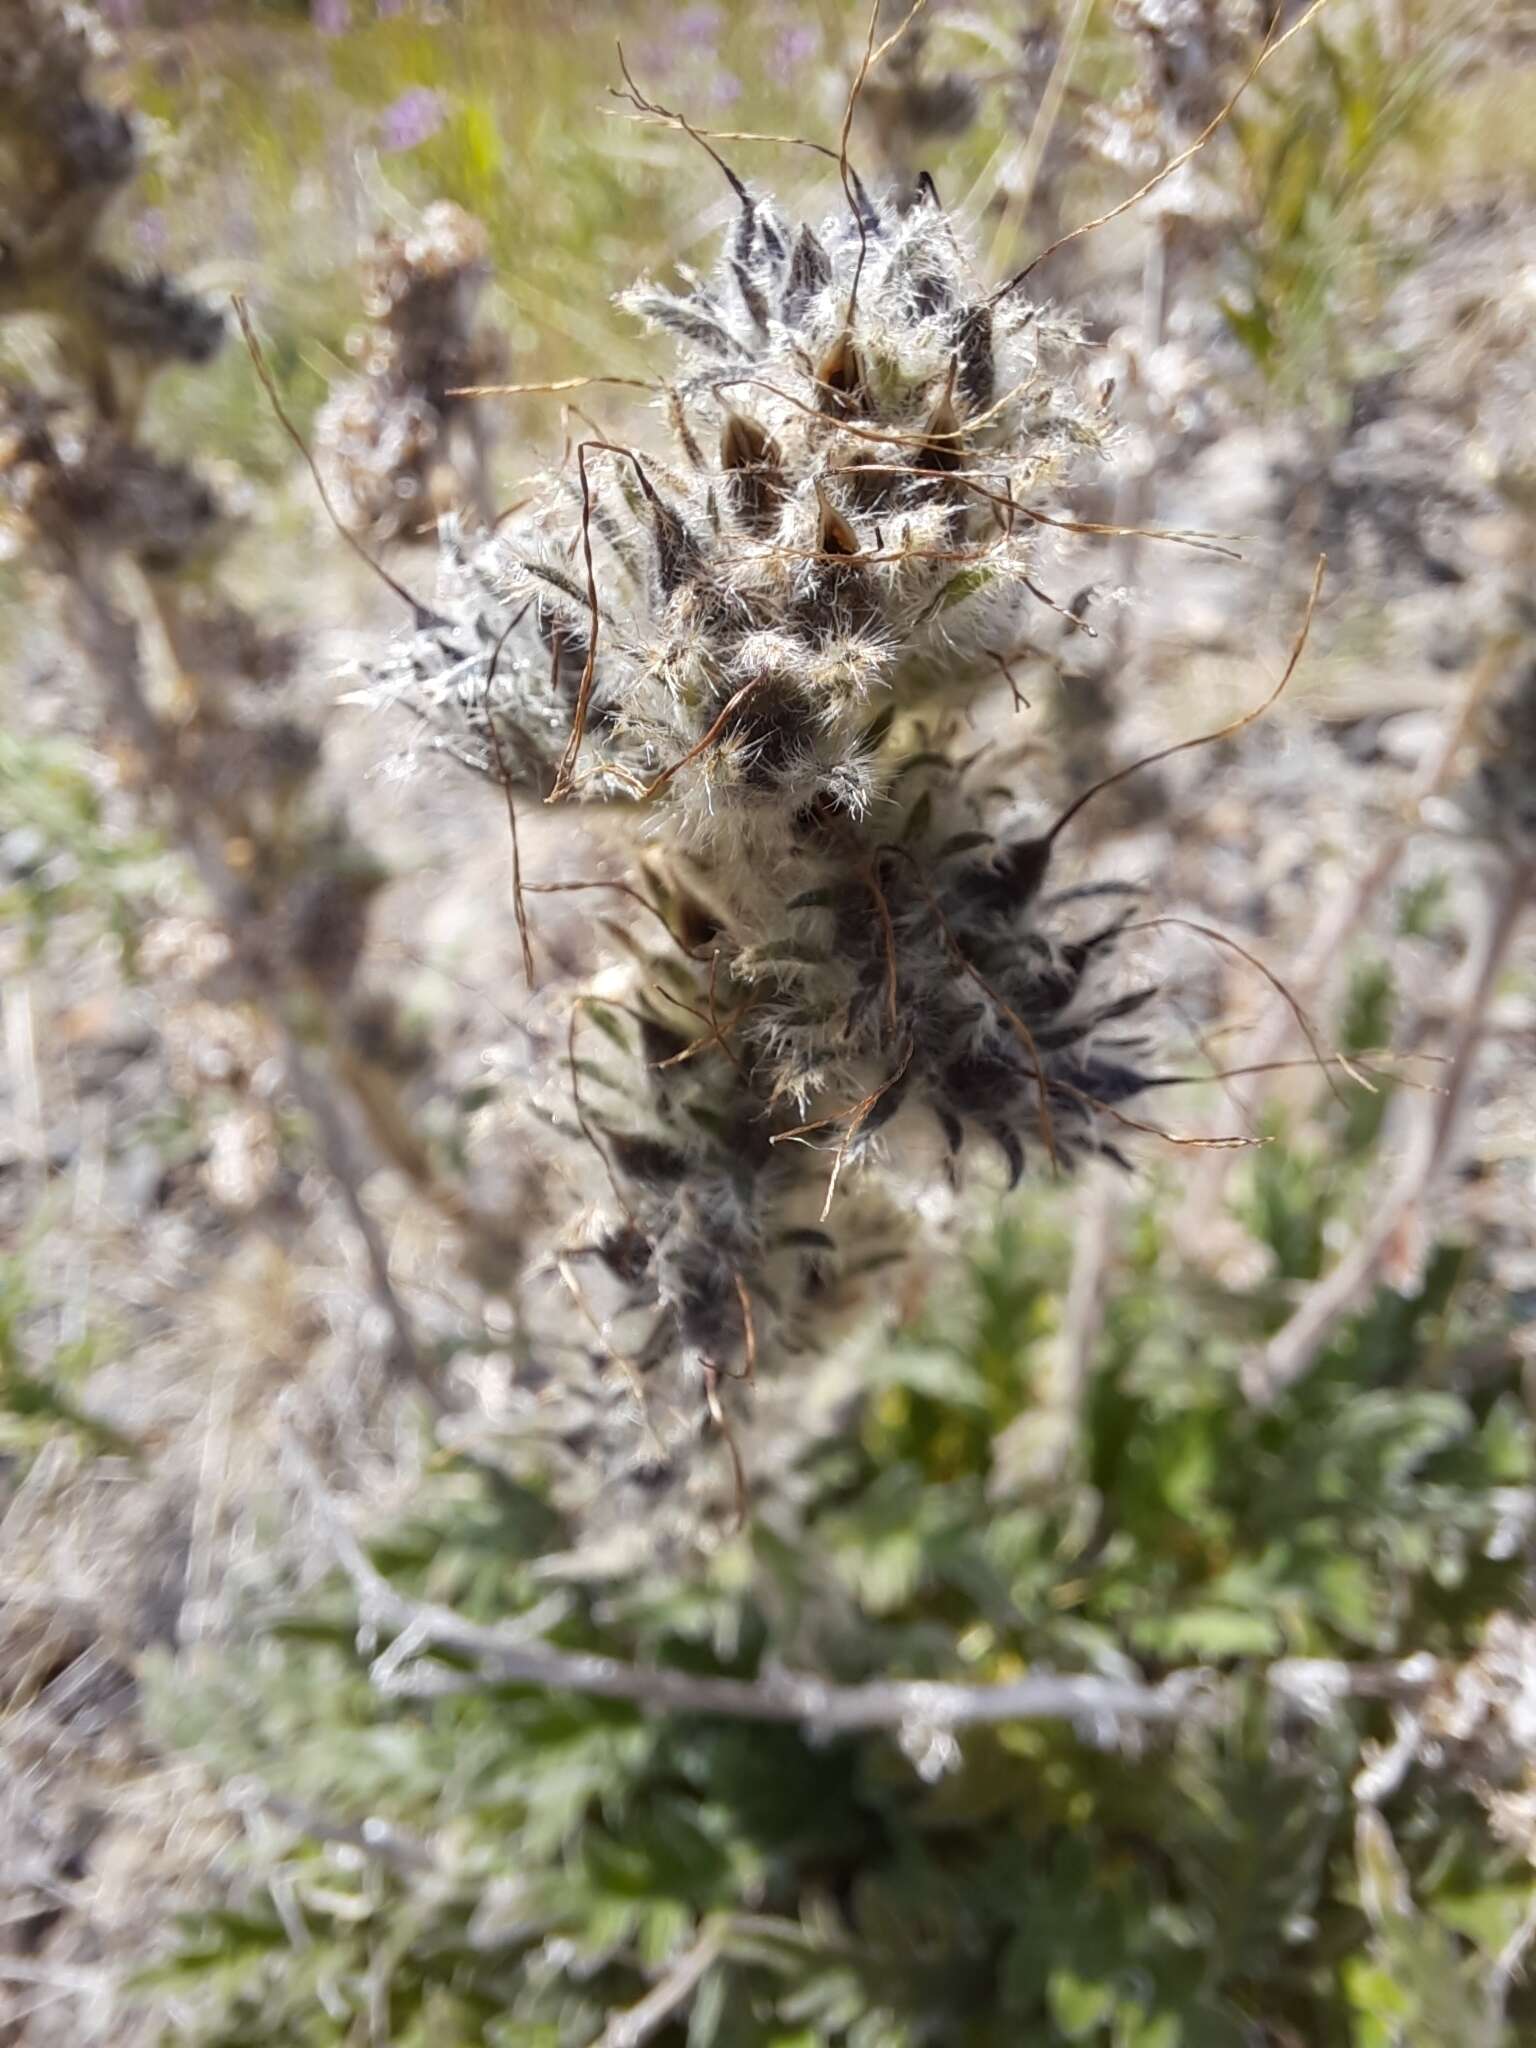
<point>1028,1881</point>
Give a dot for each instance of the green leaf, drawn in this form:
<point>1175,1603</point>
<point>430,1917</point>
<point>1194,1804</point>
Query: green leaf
<point>967,583</point>
<point>1078,2005</point>
<point>707,2013</point>
<point>1208,1632</point>
<point>1369,1005</point>
<point>611,1025</point>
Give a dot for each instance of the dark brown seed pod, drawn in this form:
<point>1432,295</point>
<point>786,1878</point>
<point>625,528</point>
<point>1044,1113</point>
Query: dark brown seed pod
<point>746,445</point>
<point>755,479</point>
<point>941,447</point>
<point>834,534</point>
<point>840,379</point>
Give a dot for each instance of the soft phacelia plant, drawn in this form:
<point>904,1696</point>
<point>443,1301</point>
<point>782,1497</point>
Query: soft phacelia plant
<point>759,656</point>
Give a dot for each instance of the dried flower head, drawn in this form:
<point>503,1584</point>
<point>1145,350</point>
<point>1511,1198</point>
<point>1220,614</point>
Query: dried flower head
<point>421,289</point>
<point>62,152</point>
<point>385,439</point>
<point>152,317</point>
<point>72,485</point>
<point>766,645</point>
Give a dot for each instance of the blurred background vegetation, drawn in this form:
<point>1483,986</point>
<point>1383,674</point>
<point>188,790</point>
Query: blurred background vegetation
<point>216,1824</point>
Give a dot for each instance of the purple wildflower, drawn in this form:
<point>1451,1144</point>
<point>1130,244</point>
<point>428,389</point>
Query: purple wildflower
<point>411,119</point>
<point>795,47</point>
<point>149,230</point>
<point>698,25</point>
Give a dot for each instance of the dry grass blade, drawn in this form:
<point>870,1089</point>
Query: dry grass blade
<point>722,1422</point>
<point>504,777</point>
<point>1017,199</point>
<point>559,384</point>
<point>623,888</point>
<point>871,58</point>
<point>1004,664</point>
<point>1195,1140</point>
<point>660,116</point>
<point>650,107</point>
<point>856,1123</point>
<point>1360,1063</point>
<point>854,1117</point>
<point>871,882</point>
<point>718,1026</point>
<point>1201,542</point>
<point>565,773</point>
<point>748,1326</point>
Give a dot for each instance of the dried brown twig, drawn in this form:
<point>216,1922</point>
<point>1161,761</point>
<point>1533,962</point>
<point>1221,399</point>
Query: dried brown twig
<point>1294,1349</point>
<point>511,1653</point>
<point>1223,732</point>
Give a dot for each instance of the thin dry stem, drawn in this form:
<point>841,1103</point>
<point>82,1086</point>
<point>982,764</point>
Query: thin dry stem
<point>547,390</point>
<point>1322,1060</point>
<point>632,2029</point>
<point>1294,1349</point>
<point>623,888</point>
<point>566,771</point>
<point>509,1653</point>
<point>861,1114</point>
<point>647,106</point>
<point>722,720</point>
<point>268,384</point>
<point>722,1422</point>
<point>504,777</point>
<point>748,1326</point>
<point>870,59</point>
<point>1225,732</point>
